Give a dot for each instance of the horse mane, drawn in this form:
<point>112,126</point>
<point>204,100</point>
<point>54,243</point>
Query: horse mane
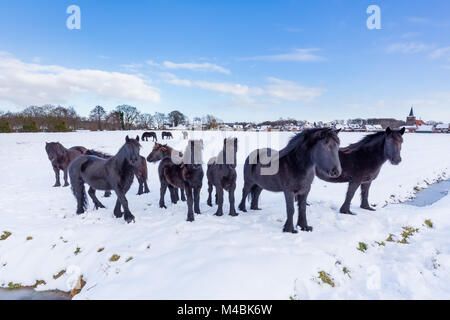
<point>55,147</point>
<point>99,154</point>
<point>197,146</point>
<point>306,139</point>
<point>367,141</point>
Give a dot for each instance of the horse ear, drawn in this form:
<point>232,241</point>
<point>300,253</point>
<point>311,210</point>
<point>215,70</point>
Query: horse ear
<point>388,130</point>
<point>402,131</point>
<point>127,139</point>
<point>137,138</point>
<point>338,130</point>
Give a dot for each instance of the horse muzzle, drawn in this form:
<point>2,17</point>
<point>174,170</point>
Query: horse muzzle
<point>335,172</point>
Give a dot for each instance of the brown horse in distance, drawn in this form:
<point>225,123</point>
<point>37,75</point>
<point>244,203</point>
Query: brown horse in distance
<point>60,158</point>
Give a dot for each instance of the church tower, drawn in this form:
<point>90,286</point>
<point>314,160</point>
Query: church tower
<point>411,119</point>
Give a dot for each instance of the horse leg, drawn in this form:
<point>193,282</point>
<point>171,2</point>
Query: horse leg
<point>365,196</point>
<point>183,196</point>
<point>117,212</point>
<point>124,202</point>
<point>173,194</point>
<point>210,190</point>
<point>302,223</point>
<point>197,200</point>
<point>245,191</point>
<point>190,214</point>
<point>289,225</point>
<point>255,193</point>
<point>162,193</point>
<point>97,203</point>
<point>233,212</point>
<point>352,187</point>
<point>146,189</point>
<point>141,186</point>
<point>219,193</point>
<point>57,183</point>
<point>66,182</point>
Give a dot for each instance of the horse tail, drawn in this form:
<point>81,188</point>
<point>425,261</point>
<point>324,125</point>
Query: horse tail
<point>143,168</point>
<point>77,183</point>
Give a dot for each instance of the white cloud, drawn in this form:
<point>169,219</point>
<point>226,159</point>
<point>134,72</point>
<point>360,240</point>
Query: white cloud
<point>206,66</point>
<point>277,88</point>
<point>408,47</point>
<point>298,55</point>
<point>222,87</point>
<point>288,90</point>
<point>440,53</point>
<point>24,83</point>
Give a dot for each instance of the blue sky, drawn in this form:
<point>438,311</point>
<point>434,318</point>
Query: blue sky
<point>238,60</point>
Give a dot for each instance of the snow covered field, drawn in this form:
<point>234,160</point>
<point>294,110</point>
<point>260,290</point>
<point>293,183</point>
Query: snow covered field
<point>246,257</point>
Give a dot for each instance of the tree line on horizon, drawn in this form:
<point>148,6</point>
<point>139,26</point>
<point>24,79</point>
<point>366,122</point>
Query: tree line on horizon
<point>49,118</point>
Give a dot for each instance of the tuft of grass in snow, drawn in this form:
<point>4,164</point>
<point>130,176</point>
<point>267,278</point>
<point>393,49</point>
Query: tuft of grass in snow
<point>390,238</point>
<point>5,235</point>
<point>428,223</point>
<point>78,286</point>
<point>59,274</point>
<point>100,249</point>
<point>13,286</point>
<point>129,259</point>
<point>38,283</point>
<point>114,258</point>
<point>326,278</point>
<point>29,238</point>
<point>407,232</point>
<point>77,251</point>
<point>362,247</point>
<point>346,271</point>
<point>381,244</point>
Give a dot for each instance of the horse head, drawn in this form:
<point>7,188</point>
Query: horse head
<point>325,152</point>
<point>393,145</point>
<point>132,147</point>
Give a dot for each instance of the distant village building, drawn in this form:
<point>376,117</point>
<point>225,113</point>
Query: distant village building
<point>443,128</point>
<point>411,119</point>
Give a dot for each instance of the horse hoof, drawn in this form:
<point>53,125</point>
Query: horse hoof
<point>66,185</point>
<point>289,230</point>
<point>56,185</point>
<point>368,208</point>
<point>256,209</point>
<point>209,203</point>
<point>346,211</point>
<point>80,212</point>
<point>242,208</point>
<point>307,228</point>
<point>190,219</point>
<point>130,219</point>
<point>217,214</point>
<point>234,214</point>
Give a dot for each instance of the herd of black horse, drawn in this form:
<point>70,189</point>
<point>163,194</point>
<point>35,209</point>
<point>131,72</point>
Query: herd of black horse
<point>313,152</point>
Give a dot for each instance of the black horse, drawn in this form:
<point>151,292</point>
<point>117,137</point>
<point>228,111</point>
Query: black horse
<point>166,135</point>
<point>115,174</point>
<point>292,171</point>
<point>140,171</point>
<point>61,158</point>
<point>362,161</point>
<point>221,174</point>
<point>159,152</point>
<point>187,175</point>
<point>147,135</point>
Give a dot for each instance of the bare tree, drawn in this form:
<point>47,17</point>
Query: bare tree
<point>98,115</point>
<point>159,119</point>
<point>128,116</point>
